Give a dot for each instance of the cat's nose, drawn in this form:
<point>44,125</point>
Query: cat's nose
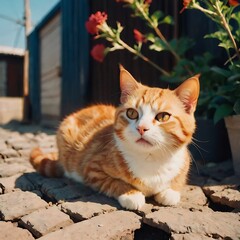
<point>142,129</point>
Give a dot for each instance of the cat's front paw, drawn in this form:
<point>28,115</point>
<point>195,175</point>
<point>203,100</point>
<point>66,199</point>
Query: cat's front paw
<point>168,197</point>
<point>132,201</point>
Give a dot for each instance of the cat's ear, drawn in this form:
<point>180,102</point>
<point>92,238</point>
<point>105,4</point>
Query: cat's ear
<point>127,84</point>
<point>188,93</point>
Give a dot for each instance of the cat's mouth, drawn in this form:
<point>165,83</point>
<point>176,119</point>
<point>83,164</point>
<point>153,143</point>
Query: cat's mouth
<point>144,142</point>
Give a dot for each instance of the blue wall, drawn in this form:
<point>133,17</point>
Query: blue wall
<point>75,58</point>
<point>34,76</point>
<point>75,55</point>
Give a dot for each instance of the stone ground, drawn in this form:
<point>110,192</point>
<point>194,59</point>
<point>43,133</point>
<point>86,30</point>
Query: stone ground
<point>35,207</point>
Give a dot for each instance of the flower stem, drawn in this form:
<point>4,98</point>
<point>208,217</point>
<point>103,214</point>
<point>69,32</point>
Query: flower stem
<point>227,28</point>
<point>132,50</point>
<point>206,11</point>
<point>158,32</point>
<point>160,35</point>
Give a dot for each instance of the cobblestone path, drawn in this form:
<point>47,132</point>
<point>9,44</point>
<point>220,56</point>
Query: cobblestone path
<point>35,207</point>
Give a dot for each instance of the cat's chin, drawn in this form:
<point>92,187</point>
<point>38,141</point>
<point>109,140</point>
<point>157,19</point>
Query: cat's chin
<point>143,142</point>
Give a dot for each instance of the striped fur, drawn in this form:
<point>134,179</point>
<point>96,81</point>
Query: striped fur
<point>128,159</point>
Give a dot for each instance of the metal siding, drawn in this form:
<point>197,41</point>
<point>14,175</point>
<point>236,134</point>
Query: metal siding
<point>34,68</point>
<point>50,45</point>
<point>75,54</point>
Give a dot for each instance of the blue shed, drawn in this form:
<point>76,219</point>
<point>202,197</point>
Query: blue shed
<point>59,59</point>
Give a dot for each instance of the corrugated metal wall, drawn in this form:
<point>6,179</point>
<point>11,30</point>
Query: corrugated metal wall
<point>35,66</point>
<point>50,70</point>
<point>75,55</point>
<point>34,76</point>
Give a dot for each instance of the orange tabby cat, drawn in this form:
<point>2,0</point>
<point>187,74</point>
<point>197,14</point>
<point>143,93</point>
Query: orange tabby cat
<point>138,149</point>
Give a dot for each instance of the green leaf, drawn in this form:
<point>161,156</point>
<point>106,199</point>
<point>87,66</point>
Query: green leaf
<point>158,45</point>
<point>182,45</point>
<point>221,71</point>
<point>167,20</point>
<point>236,17</point>
<point>156,16</point>
<point>227,44</point>
<point>222,111</point>
<point>237,33</point>
<point>150,37</point>
<point>220,35</point>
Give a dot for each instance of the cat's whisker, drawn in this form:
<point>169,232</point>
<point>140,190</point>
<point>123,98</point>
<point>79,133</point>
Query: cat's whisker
<point>200,141</point>
<point>198,147</point>
<point>199,151</point>
<point>195,163</point>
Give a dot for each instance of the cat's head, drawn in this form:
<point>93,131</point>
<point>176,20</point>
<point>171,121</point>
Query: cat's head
<point>150,119</point>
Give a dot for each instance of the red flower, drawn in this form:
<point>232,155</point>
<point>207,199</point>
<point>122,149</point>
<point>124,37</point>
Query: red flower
<point>94,21</point>
<point>148,1</point>
<point>139,37</point>
<point>185,4</point>
<point>98,52</point>
<point>233,2</point>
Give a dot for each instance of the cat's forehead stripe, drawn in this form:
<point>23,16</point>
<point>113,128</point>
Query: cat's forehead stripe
<point>141,99</point>
<point>149,96</point>
<point>155,97</point>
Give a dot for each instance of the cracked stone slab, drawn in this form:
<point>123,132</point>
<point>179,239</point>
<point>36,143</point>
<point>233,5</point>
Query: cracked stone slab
<point>184,221</point>
<point>16,181</point>
<point>69,192</point>
<point>44,221</point>
<point>58,188</point>
<point>228,197</point>
<point>24,152</point>
<point>84,210</point>
<point>115,225</point>
<point>9,152</point>
<point>102,199</point>
<point>224,194</point>
<point>44,183</point>
<point>20,160</point>
<point>21,145</point>
<point>14,205</point>
<point>193,195</point>
<point>16,139</point>
<point>7,170</point>
<point>9,232</point>
<point>3,146</point>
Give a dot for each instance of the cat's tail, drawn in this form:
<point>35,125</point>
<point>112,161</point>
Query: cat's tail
<point>46,164</point>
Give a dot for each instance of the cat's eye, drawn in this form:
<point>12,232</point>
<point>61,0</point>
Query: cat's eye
<point>132,114</point>
<point>163,116</point>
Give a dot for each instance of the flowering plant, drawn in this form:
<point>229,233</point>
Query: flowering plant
<point>220,11</point>
<point>155,40</point>
<point>224,99</point>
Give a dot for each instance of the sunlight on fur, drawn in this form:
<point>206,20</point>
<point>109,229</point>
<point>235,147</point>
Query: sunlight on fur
<point>136,150</point>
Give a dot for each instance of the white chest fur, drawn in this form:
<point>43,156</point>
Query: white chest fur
<point>155,170</point>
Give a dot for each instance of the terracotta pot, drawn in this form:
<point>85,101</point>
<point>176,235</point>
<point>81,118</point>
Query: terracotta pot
<point>233,128</point>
